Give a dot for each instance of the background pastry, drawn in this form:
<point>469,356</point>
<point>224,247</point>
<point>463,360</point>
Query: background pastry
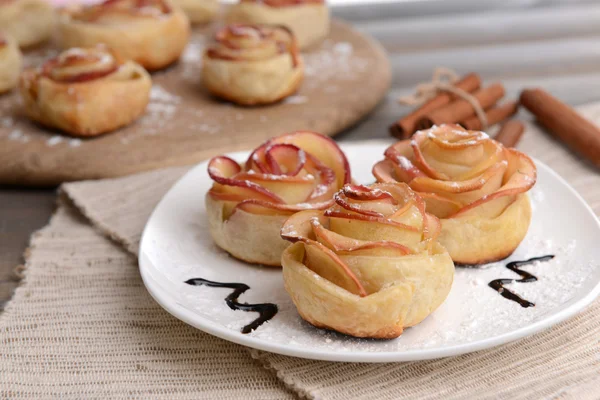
<point>369,265</point>
<point>152,33</point>
<point>252,65</point>
<point>248,204</point>
<point>476,186</point>
<point>308,19</point>
<point>10,63</point>
<point>29,22</point>
<point>85,92</point>
<point>198,11</point>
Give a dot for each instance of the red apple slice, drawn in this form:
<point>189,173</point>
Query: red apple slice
<point>344,245</point>
<point>440,206</point>
<point>357,208</point>
<point>298,226</point>
<point>328,265</point>
<point>364,193</point>
<point>285,159</point>
<point>384,171</point>
<point>223,170</point>
<point>322,148</point>
<point>368,228</point>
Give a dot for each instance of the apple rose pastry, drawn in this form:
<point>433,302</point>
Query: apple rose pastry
<point>308,19</point>
<point>252,65</point>
<point>199,11</point>
<point>29,22</point>
<point>248,204</point>
<point>10,63</point>
<point>368,266</point>
<point>149,32</point>
<point>85,92</point>
<point>476,186</point>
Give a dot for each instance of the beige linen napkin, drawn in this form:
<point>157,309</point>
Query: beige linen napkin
<point>82,325</point>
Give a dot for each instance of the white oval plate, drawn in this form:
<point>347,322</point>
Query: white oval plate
<point>177,246</point>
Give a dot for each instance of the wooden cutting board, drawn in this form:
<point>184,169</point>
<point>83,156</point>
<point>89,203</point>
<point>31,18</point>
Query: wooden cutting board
<point>346,76</point>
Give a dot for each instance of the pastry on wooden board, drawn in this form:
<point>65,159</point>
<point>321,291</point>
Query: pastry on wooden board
<point>248,203</point>
<point>29,22</point>
<point>368,266</point>
<point>199,11</point>
<point>152,33</point>
<point>85,92</point>
<point>476,186</point>
<point>10,63</point>
<point>308,19</point>
<point>252,64</point>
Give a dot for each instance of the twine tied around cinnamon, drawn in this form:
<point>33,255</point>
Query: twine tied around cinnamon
<point>443,81</point>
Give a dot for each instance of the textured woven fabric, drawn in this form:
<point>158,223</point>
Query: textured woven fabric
<point>82,325</point>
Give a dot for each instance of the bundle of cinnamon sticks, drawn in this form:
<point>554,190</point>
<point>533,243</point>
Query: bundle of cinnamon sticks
<point>448,108</point>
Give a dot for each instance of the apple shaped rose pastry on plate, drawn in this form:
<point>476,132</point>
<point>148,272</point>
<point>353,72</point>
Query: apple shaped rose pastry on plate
<point>252,65</point>
<point>152,33</point>
<point>248,204</point>
<point>198,11</point>
<point>85,92</point>
<point>368,266</point>
<point>29,22</point>
<point>476,186</point>
<point>308,19</point>
<point>10,63</point>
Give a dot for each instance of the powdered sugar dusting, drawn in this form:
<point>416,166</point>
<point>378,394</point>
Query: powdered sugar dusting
<point>334,61</point>
<point>296,99</point>
<point>54,140</point>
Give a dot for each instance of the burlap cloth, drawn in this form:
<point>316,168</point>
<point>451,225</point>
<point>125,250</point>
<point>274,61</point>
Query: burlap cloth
<point>82,325</point>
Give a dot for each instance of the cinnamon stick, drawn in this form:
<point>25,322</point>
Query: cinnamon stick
<point>510,133</point>
<point>460,110</point>
<point>564,123</point>
<point>493,115</point>
<point>407,125</point>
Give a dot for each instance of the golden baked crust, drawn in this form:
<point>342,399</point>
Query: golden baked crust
<point>248,204</point>
<point>85,92</point>
<point>29,22</point>
<point>251,65</point>
<point>199,11</point>
<point>476,186</point>
<point>10,63</point>
<point>368,266</point>
<point>152,33</point>
<point>308,20</point>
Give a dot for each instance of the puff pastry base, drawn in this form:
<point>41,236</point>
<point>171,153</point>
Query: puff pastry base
<point>10,64</point>
<point>29,22</point>
<point>308,22</point>
<point>89,108</point>
<point>154,43</point>
<point>474,240</point>
<point>253,238</point>
<point>381,315</point>
<point>199,11</point>
<point>253,82</point>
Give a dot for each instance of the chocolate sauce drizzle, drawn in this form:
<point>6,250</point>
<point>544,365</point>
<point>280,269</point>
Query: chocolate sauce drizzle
<point>266,311</point>
<point>498,284</point>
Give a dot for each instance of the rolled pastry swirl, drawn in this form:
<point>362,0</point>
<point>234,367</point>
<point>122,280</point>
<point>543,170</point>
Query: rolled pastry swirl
<point>308,19</point>
<point>251,64</point>
<point>85,92</point>
<point>199,11</point>
<point>248,203</point>
<point>476,186</point>
<point>152,33</point>
<point>29,22</point>
<point>368,266</point>
<point>10,63</point>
